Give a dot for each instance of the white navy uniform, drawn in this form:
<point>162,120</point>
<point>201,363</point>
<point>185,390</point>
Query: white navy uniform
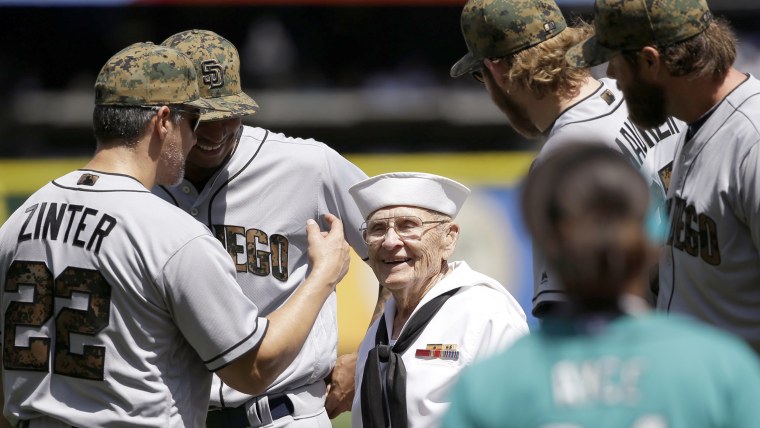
<point>603,117</point>
<point>710,266</point>
<point>108,317</point>
<point>257,205</point>
<point>481,319</point>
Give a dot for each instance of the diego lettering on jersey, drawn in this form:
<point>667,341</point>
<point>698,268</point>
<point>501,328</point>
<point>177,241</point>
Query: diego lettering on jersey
<point>252,250</point>
<point>608,381</point>
<point>82,226</point>
<point>635,142</point>
<point>694,233</point>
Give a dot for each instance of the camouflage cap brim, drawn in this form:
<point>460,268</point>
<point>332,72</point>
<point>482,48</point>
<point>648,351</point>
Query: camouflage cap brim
<point>205,106</point>
<point>589,53</point>
<point>230,106</point>
<point>467,64</point>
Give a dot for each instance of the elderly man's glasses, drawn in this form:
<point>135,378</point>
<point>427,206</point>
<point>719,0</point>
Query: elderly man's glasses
<point>406,227</point>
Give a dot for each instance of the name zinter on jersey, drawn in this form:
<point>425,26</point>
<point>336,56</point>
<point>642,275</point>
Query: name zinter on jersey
<point>77,225</point>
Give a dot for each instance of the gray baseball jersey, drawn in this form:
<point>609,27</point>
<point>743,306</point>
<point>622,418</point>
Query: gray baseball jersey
<point>710,267</point>
<point>603,117</point>
<point>108,313</point>
<point>257,206</point>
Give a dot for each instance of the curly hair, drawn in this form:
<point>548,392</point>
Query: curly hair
<point>542,68</point>
<point>710,53</point>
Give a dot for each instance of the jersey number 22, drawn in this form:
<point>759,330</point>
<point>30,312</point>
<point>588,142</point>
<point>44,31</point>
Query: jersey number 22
<point>35,355</point>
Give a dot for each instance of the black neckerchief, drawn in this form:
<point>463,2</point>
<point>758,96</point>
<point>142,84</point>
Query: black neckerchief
<point>375,405</point>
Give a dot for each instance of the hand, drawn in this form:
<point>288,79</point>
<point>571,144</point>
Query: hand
<point>328,251</point>
<point>340,386</point>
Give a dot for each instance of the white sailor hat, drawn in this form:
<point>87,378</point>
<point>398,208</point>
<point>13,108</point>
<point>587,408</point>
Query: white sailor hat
<point>414,189</point>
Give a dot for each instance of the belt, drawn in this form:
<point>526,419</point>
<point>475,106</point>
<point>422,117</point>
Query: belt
<point>237,417</point>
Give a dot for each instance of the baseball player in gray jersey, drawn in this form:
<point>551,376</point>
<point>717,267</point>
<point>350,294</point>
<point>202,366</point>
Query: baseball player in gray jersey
<point>254,189</point>
<point>672,58</point>
<point>108,316</point>
<point>517,49</point>
<point>609,362</point>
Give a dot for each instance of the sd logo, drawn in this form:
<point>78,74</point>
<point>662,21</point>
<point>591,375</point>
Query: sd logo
<point>213,75</point>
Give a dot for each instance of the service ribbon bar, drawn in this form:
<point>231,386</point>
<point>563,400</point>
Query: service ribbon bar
<point>437,354</point>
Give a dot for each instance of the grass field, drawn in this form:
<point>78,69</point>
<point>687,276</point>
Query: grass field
<point>342,421</point>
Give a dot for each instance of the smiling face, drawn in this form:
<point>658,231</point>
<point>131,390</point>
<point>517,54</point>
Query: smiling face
<point>410,266</point>
<point>216,139</point>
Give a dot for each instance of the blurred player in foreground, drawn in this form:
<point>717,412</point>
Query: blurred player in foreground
<point>254,189</point>
<point>671,58</point>
<point>442,315</point>
<point>606,361</point>
<point>517,49</point>
<point>109,313</point>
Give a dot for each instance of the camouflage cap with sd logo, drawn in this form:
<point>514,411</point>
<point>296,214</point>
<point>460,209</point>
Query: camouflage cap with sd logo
<point>217,64</point>
<point>626,25</point>
<point>144,74</point>
<point>497,28</point>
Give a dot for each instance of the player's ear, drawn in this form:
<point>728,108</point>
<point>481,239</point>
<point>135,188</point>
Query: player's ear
<point>649,63</point>
<point>497,69</point>
<point>161,122</point>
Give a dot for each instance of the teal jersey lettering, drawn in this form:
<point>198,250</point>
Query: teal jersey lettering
<point>650,371</point>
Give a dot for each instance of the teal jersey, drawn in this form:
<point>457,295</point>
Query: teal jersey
<point>639,372</point>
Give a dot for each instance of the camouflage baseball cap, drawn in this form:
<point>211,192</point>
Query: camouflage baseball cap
<point>217,64</point>
<point>147,74</point>
<point>497,28</point>
<point>623,25</point>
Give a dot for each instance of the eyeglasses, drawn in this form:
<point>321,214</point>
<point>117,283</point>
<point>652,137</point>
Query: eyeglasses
<point>406,227</point>
<point>193,116</point>
<point>194,119</point>
<point>478,75</point>
<point>479,72</point>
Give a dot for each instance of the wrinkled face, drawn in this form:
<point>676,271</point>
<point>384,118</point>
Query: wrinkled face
<point>407,264</point>
<point>646,101</point>
<point>216,139</point>
<point>175,150</point>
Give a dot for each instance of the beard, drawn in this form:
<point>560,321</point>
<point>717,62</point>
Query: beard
<point>516,115</point>
<point>646,103</point>
<point>172,164</point>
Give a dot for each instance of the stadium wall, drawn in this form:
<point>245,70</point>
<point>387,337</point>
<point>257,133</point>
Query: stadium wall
<point>493,238</point>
